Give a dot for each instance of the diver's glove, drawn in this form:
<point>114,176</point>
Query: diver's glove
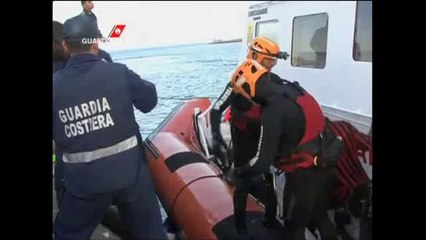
<point>219,149</point>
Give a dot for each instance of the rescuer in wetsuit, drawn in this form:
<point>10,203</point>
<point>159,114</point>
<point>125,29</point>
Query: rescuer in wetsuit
<point>245,132</point>
<point>291,138</point>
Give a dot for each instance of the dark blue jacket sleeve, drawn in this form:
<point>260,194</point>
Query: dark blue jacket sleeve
<point>143,93</point>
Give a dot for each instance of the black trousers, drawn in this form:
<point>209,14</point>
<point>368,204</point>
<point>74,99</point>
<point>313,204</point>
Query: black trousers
<point>245,148</point>
<point>307,196</point>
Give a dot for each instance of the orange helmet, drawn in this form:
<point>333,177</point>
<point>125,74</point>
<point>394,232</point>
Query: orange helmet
<point>244,79</point>
<point>266,48</point>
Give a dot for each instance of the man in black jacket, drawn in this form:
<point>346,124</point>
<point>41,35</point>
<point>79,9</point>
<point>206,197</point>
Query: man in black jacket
<point>87,10</point>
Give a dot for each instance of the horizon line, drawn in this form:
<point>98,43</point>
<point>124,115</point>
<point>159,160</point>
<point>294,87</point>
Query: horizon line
<point>177,45</point>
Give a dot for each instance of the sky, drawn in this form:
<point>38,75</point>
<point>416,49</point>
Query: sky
<point>163,23</point>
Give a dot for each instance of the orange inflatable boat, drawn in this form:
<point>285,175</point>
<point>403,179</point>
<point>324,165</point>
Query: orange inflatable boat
<point>190,187</point>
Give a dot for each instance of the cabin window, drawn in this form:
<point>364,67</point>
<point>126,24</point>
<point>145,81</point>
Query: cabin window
<point>309,47</point>
<point>268,29</point>
<point>363,49</point>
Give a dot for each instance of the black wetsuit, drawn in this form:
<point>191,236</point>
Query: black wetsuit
<point>282,128</point>
<point>245,144</point>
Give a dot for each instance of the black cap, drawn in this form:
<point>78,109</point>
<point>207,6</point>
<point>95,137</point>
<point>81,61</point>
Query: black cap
<point>81,26</point>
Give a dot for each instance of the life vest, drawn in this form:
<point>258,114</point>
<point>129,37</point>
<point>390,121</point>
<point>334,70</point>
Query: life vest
<point>242,120</point>
<point>308,148</point>
<point>307,152</point>
<point>305,155</point>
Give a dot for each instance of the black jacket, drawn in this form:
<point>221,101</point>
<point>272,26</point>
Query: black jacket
<point>90,14</point>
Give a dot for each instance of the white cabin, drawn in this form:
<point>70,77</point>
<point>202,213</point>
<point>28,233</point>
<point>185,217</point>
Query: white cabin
<point>330,47</point>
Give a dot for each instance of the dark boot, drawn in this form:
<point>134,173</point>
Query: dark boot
<point>270,203</point>
<point>240,222</point>
<point>327,229</point>
<point>240,202</point>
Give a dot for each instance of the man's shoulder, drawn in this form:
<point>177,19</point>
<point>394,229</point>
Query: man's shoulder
<point>89,13</point>
<point>105,56</point>
<point>58,78</point>
<point>56,75</point>
<point>275,75</point>
<point>113,66</point>
<point>120,68</point>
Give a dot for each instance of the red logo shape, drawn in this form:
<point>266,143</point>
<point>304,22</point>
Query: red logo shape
<point>117,30</point>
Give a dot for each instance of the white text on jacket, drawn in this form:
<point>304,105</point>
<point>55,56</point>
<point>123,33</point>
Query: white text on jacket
<point>86,117</point>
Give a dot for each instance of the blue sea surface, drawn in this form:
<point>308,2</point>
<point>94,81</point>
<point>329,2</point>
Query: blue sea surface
<point>180,72</point>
